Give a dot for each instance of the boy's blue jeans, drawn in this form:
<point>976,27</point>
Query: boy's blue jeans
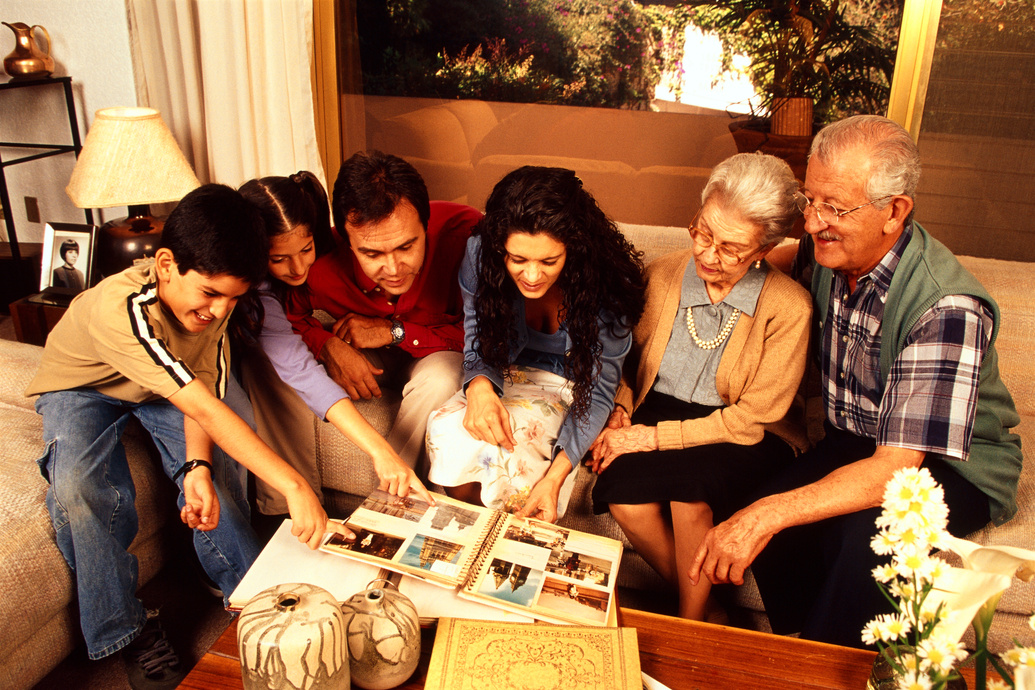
<point>91,503</point>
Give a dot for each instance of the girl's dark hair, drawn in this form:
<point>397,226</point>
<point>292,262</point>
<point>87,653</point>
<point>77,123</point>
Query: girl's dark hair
<point>68,245</point>
<point>602,275</point>
<point>284,204</point>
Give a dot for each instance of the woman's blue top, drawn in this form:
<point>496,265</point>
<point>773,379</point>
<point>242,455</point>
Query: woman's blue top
<point>547,351</point>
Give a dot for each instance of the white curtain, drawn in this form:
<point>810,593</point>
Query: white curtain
<point>232,80</point>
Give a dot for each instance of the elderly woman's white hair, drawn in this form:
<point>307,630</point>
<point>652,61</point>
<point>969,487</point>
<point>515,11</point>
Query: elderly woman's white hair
<point>760,188</point>
<point>893,154</point>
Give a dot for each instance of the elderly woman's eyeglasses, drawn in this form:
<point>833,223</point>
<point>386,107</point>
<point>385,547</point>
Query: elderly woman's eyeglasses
<point>827,213</point>
<point>703,238</point>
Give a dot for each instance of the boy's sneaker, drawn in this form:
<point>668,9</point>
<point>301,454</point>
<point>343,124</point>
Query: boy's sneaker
<point>151,663</point>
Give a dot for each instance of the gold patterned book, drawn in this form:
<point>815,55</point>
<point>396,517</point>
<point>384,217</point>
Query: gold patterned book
<point>477,655</point>
<point>526,566</point>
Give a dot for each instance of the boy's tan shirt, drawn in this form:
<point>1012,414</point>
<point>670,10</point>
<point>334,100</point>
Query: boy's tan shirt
<point>118,339</point>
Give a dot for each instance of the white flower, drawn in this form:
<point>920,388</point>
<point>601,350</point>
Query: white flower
<point>914,680</point>
<point>1020,656</point>
<point>871,633</point>
<point>940,653</point>
<point>884,573</point>
<point>883,544</point>
<point>1024,678</point>
<point>903,590</point>
<point>1000,560</point>
<point>910,565</point>
<point>889,627</point>
<point>997,685</point>
<point>913,491</point>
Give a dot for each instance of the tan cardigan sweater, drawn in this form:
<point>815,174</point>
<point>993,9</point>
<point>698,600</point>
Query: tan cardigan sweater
<point>760,370</point>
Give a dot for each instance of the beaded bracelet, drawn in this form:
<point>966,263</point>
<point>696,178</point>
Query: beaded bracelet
<point>192,465</point>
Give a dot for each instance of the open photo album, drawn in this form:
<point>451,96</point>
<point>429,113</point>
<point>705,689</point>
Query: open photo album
<point>528,566</point>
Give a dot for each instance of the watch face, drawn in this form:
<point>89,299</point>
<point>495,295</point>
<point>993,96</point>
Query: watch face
<point>397,332</point>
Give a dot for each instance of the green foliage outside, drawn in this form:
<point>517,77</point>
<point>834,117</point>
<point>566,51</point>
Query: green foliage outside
<point>613,53</point>
<point>841,54</point>
<point>576,52</point>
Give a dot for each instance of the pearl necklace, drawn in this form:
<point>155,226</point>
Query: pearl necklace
<point>727,328</point>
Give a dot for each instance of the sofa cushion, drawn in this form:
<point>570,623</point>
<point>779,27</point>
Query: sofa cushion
<point>41,625</point>
<point>637,138</point>
<point>343,466</point>
<point>433,133</point>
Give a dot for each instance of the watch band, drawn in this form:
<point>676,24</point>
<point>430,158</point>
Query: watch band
<point>398,331</point>
<point>191,465</point>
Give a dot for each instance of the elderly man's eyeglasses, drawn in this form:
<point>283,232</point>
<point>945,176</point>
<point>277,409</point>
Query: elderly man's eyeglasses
<point>703,238</point>
<point>828,214</point>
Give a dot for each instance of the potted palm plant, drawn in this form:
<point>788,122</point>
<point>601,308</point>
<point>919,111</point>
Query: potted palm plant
<point>808,60</point>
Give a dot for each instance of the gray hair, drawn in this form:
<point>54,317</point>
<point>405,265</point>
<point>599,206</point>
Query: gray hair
<point>760,188</point>
<point>894,157</point>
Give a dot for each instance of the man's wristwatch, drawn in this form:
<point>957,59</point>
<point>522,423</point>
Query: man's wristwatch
<point>398,332</point>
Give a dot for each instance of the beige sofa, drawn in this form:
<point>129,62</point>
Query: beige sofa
<point>38,609</point>
<point>635,162</point>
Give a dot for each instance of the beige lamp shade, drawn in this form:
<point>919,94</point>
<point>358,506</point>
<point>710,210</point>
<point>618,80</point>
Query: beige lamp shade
<point>129,158</point>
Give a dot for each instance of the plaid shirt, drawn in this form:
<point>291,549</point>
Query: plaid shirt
<point>929,400</point>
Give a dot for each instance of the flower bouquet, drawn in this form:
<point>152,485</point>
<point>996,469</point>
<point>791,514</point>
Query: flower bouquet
<point>935,602</point>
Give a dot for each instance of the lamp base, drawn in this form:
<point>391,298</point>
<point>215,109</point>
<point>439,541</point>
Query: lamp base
<point>124,241</point>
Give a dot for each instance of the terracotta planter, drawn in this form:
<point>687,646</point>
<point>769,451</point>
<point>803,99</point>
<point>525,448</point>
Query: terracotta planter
<point>792,117</point>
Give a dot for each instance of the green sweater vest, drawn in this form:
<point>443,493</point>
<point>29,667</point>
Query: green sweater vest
<point>927,272</point>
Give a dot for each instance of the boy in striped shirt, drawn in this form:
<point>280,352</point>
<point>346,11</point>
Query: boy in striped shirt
<point>151,343</point>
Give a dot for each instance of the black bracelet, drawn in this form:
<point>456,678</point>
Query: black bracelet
<point>192,465</point>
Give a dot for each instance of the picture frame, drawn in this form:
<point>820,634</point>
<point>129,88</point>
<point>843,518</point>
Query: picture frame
<point>60,240</point>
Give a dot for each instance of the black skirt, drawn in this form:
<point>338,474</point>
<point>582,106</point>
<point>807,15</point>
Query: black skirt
<point>723,475</point>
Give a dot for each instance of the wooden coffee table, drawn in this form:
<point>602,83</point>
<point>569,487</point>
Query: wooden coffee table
<point>681,654</point>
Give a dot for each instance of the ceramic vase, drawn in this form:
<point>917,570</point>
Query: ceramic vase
<point>292,637</point>
<point>383,631</point>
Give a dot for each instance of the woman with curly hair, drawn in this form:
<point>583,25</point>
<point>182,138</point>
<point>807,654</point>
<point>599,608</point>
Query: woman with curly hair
<point>284,381</point>
<point>551,292</point>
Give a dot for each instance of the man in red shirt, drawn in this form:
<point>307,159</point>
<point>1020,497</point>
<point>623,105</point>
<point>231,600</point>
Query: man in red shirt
<point>392,288</point>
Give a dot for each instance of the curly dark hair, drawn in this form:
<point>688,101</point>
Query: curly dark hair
<point>602,274</point>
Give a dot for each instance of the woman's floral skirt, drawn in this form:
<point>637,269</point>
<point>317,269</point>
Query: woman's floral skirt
<point>537,402</point>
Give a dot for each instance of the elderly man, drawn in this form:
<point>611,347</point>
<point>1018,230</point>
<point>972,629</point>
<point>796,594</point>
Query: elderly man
<point>905,338</point>
<point>393,289</point>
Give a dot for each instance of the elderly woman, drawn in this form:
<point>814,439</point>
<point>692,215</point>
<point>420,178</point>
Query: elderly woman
<point>702,415</point>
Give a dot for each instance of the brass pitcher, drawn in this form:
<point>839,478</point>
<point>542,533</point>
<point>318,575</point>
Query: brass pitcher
<point>28,61</point>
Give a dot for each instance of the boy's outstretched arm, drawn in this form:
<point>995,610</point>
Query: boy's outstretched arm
<point>235,437</point>
<point>201,509</point>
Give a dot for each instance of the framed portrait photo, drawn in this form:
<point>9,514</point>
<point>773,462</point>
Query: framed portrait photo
<point>67,257</point>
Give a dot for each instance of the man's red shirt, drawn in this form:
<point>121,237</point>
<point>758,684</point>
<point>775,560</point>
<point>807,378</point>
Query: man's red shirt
<point>431,311</point>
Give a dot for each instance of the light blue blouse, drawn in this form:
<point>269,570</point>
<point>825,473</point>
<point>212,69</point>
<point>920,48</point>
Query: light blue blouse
<point>547,352</point>
<point>688,372</point>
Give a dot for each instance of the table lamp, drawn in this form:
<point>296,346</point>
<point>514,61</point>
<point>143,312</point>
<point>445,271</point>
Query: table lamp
<point>129,158</point>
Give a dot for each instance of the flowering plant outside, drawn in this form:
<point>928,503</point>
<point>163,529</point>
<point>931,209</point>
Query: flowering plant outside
<point>935,602</point>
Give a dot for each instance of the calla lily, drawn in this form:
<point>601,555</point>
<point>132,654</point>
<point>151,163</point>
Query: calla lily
<point>965,595</point>
<point>1002,560</point>
<point>1024,679</point>
<point>940,601</point>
